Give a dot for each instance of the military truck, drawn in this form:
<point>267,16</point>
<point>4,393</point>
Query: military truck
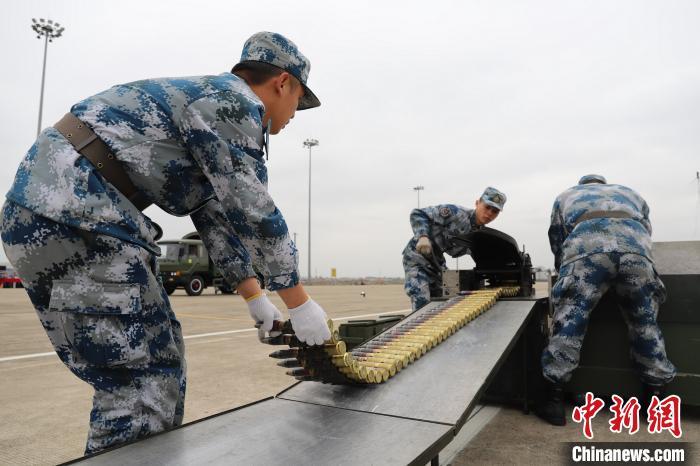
<point>185,263</point>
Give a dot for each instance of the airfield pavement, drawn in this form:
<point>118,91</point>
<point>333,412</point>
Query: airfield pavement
<point>44,409</point>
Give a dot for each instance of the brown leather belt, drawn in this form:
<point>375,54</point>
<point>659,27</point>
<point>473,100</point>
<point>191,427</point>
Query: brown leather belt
<point>90,146</point>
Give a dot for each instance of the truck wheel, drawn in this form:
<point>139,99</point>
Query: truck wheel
<point>169,289</point>
<point>226,289</point>
<point>195,285</point>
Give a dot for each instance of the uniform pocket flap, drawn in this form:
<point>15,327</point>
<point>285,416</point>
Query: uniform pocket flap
<point>90,297</point>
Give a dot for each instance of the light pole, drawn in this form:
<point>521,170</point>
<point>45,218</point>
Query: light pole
<point>50,31</point>
<point>418,189</point>
<point>310,143</point>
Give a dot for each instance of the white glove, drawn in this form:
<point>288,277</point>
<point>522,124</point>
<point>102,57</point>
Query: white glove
<point>423,246</point>
<point>263,312</point>
<point>309,323</point>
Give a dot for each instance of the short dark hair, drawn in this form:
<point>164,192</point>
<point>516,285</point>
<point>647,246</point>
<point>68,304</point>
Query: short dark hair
<point>256,72</point>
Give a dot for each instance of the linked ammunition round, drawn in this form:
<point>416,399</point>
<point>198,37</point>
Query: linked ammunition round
<point>342,360</point>
<point>289,363</point>
<point>409,339</point>
<point>380,365</point>
<point>409,334</point>
<point>396,363</point>
<point>399,352</point>
<point>335,336</point>
<point>336,348</point>
<point>405,359</point>
<point>417,348</point>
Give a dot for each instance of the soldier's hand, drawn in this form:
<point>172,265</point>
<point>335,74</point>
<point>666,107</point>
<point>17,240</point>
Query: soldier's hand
<point>309,322</point>
<point>423,246</point>
<point>263,311</point>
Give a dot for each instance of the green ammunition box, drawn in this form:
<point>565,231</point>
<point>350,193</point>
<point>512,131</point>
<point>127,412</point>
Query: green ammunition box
<point>354,332</point>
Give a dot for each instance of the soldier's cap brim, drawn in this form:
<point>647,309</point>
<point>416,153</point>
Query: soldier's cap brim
<point>492,204</point>
<point>308,100</point>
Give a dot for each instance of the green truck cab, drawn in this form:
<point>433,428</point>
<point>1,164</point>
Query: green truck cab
<point>185,263</point>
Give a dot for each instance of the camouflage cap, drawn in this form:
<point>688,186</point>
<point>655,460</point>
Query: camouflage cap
<point>494,198</point>
<point>276,50</point>
<point>592,179</point>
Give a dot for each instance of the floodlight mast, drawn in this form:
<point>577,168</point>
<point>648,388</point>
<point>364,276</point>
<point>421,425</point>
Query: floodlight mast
<point>310,143</point>
<point>49,31</point>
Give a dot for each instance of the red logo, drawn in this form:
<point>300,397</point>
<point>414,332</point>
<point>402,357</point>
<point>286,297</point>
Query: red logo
<point>624,416</point>
<point>665,415</point>
<point>587,412</point>
<point>661,415</point>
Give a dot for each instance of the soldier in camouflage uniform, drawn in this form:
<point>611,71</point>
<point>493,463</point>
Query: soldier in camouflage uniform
<point>601,239</point>
<point>434,230</point>
<point>87,254</point>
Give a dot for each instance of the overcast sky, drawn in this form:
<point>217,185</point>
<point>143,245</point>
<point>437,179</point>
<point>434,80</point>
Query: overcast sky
<point>450,95</point>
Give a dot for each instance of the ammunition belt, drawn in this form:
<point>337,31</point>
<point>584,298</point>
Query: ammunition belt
<point>382,357</point>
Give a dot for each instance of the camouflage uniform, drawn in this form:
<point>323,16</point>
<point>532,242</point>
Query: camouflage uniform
<point>87,255</point>
<point>109,320</point>
<point>596,252</point>
<point>441,224</point>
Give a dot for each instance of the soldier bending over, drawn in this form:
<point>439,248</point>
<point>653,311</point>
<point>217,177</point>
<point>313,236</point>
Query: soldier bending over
<point>601,239</point>
<point>434,230</point>
<point>73,225</point>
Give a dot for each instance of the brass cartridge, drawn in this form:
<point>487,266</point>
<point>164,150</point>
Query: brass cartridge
<point>344,360</point>
<point>404,358</point>
<point>336,348</point>
<point>396,363</point>
<point>379,365</point>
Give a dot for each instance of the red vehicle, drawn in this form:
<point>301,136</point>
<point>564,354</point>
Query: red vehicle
<point>8,278</point>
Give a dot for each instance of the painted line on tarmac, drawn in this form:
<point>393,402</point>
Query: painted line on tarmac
<point>214,334</point>
<point>27,356</point>
<point>203,335</point>
<point>195,316</point>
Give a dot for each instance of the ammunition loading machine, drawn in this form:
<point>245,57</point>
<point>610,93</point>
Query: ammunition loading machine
<point>498,260</point>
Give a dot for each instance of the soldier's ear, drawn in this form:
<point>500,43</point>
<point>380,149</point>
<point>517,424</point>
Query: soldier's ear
<point>282,81</point>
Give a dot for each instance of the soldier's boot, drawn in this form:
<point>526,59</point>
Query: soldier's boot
<point>649,391</point>
<point>551,409</point>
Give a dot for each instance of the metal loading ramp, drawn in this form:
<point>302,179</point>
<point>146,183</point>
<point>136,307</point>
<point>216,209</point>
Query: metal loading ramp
<point>406,420</point>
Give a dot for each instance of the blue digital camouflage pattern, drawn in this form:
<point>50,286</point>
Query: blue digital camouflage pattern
<point>639,291</point>
<point>277,50</point>
<point>494,198</point>
<point>571,240</point>
<point>108,318</point>
<point>593,256</point>
<point>192,146</point>
<point>441,224</point>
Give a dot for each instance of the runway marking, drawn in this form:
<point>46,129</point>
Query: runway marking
<point>194,316</point>
<point>214,334</point>
<point>27,356</point>
<point>204,335</point>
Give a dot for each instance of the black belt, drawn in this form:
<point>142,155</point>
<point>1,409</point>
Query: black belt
<point>89,145</point>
